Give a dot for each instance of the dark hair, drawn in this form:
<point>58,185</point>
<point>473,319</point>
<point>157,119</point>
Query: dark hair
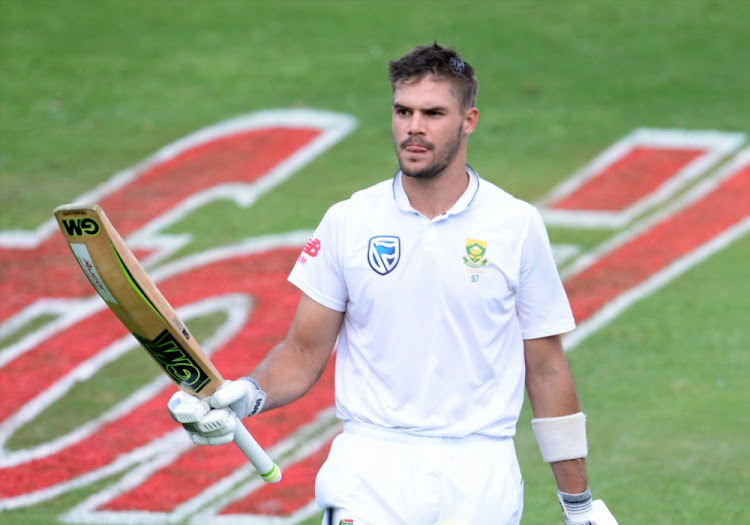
<point>442,62</point>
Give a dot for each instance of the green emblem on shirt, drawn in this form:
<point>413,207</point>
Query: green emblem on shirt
<point>475,250</point>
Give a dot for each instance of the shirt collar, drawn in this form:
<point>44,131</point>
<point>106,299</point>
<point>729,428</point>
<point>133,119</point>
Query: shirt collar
<point>463,202</point>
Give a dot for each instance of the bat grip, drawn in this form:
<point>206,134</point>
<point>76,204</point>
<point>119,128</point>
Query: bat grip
<point>268,470</point>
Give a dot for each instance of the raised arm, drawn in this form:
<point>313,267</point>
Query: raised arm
<point>286,373</point>
<point>293,366</point>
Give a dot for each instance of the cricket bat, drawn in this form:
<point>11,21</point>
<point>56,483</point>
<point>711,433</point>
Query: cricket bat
<point>133,297</point>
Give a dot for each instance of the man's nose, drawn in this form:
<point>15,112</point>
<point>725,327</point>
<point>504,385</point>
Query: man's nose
<point>416,124</point>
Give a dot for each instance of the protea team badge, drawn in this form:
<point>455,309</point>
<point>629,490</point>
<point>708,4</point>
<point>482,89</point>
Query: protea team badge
<point>384,253</point>
<point>475,250</point>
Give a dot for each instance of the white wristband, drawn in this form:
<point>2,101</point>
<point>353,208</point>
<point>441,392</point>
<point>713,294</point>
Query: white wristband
<point>561,438</point>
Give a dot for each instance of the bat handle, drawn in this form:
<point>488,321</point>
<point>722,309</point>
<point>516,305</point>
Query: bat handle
<point>268,470</point>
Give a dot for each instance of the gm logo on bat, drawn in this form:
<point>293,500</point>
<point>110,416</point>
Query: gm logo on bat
<point>175,361</point>
<point>80,227</point>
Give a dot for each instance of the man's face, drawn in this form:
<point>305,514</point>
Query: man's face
<point>429,127</point>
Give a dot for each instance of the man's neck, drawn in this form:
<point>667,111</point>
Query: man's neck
<point>435,196</point>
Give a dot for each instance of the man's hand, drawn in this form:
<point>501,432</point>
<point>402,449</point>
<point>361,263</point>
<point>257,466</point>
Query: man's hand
<point>243,396</point>
<point>212,421</point>
<point>579,509</point>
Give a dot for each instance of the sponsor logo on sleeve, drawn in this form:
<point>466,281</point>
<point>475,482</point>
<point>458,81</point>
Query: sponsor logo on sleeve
<point>311,249</point>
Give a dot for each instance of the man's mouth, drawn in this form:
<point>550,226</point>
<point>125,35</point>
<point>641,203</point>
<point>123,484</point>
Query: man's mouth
<point>415,147</point>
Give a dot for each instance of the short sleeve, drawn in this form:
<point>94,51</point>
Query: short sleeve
<point>317,271</point>
<point>542,305</point>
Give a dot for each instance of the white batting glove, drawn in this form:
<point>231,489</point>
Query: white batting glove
<point>243,396</point>
<point>212,421</point>
<point>579,509</point>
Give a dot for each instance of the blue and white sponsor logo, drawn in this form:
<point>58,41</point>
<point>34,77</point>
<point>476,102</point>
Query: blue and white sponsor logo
<point>384,253</point>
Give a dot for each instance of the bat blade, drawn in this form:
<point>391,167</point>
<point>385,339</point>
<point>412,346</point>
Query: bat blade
<point>123,284</point>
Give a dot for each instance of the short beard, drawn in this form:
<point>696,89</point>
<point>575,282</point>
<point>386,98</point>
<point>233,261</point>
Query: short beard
<point>444,160</point>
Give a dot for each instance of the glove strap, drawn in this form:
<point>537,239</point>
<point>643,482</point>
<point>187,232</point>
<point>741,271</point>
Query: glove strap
<point>575,505</point>
<point>258,401</point>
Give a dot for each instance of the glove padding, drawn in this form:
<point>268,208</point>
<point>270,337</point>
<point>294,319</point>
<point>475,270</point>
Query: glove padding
<point>243,396</point>
<point>579,509</point>
<point>212,421</point>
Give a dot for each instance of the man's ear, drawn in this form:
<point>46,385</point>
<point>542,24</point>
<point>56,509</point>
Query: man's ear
<point>470,120</point>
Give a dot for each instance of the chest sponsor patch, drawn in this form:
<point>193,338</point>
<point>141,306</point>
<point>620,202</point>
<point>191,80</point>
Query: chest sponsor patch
<point>383,253</point>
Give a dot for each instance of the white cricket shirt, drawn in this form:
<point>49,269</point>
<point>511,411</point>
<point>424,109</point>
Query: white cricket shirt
<point>435,310</point>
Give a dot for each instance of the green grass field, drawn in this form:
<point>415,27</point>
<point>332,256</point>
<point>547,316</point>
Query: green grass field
<point>88,88</point>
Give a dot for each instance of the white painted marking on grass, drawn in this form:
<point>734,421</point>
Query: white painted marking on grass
<point>615,307</point>
<point>236,306</point>
<point>231,304</point>
<point>237,309</point>
<point>562,253</point>
<point>333,126</point>
<point>718,145</point>
<point>66,311</point>
<point>657,281</point>
<point>158,448</point>
<point>244,480</point>
<point>308,440</point>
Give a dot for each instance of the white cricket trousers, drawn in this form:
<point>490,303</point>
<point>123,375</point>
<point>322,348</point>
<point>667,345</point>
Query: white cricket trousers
<point>377,476</point>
